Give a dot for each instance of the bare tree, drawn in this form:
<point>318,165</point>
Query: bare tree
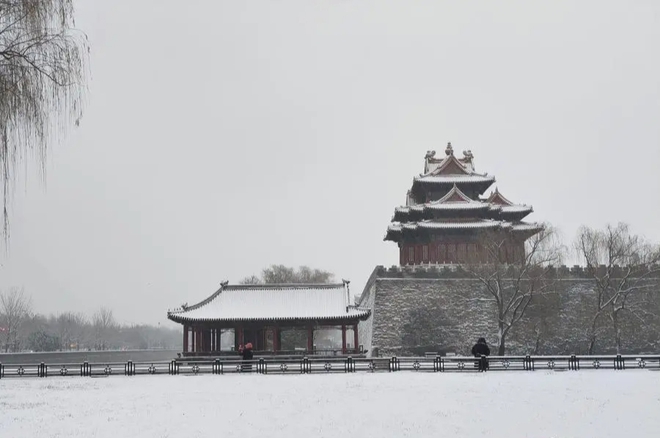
<point>620,265</point>
<point>42,77</point>
<point>104,323</point>
<point>70,329</point>
<point>252,279</point>
<point>15,308</point>
<point>512,282</point>
<point>278,274</point>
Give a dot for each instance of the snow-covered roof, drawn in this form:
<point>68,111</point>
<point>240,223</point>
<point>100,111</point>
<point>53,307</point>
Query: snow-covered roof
<point>273,302</point>
<point>455,199</point>
<point>498,202</point>
<point>516,208</point>
<point>473,224</point>
<point>430,224</point>
<point>455,179</point>
<point>451,170</point>
<point>524,226</point>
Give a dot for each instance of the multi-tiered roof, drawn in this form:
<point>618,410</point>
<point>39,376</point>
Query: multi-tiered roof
<point>446,199</point>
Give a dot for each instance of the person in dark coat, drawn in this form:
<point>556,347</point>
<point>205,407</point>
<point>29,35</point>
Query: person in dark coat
<point>481,350</point>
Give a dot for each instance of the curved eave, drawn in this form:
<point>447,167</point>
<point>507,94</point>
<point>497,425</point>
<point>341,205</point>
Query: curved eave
<point>454,180</point>
<point>526,228</point>
<point>457,207</point>
<point>360,315</point>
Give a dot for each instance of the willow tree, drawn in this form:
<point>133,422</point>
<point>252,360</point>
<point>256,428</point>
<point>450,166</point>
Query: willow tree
<point>42,83</point>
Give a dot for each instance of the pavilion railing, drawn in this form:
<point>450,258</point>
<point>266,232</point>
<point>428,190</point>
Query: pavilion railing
<point>325,365</point>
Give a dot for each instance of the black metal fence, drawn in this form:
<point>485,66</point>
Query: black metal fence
<point>316,365</point>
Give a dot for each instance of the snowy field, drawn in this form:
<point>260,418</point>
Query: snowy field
<point>594,404</point>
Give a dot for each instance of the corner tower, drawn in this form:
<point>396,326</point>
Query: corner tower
<point>445,217</point>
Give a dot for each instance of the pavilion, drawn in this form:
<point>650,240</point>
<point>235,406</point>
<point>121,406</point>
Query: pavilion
<point>275,318</point>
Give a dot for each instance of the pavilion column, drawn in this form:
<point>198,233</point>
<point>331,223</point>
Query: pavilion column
<point>310,339</point>
<point>356,340</point>
<point>276,343</point>
<point>343,339</point>
<point>212,340</point>
<point>194,346</point>
<point>240,336</point>
<point>185,338</point>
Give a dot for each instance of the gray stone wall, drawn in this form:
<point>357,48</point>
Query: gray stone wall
<point>430,309</point>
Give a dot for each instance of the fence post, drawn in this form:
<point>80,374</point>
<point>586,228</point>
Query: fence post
<point>619,363</point>
<point>439,364</point>
<point>2,370</point>
<point>261,366</point>
<point>394,364</point>
<point>85,370</point>
<point>529,363</point>
<point>305,366</point>
<point>573,363</point>
<point>174,368</point>
<point>349,365</point>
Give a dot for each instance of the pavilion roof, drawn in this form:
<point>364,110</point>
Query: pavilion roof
<point>455,199</point>
<point>273,302</point>
<point>500,203</point>
<point>451,170</point>
<point>455,179</point>
<point>476,224</point>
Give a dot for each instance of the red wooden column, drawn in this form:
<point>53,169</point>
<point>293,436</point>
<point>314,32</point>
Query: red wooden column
<point>185,338</point>
<point>310,339</point>
<point>343,339</point>
<point>240,336</point>
<point>276,343</point>
<point>212,339</point>
<point>192,340</point>
<point>356,340</point>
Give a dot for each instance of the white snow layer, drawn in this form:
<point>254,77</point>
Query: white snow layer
<point>595,404</point>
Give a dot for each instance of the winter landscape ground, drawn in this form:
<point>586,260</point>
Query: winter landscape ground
<point>508,404</point>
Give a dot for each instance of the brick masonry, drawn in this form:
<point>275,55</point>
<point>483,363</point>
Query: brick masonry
<point>441,309</point>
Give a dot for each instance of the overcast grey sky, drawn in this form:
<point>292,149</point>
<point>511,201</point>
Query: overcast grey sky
<point>224,136</point>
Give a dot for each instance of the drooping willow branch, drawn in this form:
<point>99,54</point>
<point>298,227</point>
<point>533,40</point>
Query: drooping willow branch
<point>43,72</point>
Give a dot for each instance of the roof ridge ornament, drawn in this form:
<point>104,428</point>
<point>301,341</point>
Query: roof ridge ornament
<point>450,150</point>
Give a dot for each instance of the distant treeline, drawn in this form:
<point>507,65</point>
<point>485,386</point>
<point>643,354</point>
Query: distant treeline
<point>23,330</point>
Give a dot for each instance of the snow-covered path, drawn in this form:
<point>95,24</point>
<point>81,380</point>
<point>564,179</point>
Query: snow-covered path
<point>513,404</point>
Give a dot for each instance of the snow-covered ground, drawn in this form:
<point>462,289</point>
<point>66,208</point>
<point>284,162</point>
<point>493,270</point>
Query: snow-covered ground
<point>510,404</point>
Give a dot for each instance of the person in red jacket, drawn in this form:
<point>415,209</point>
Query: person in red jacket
<point>247,355</point>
